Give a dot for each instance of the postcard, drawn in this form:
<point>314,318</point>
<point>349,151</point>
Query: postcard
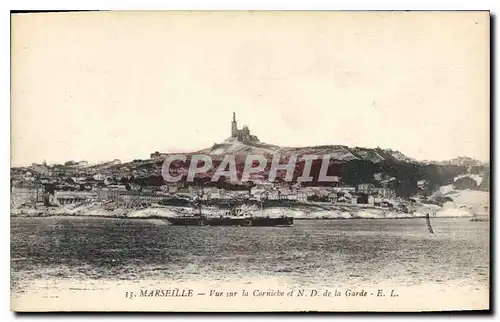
<point>250,161</point>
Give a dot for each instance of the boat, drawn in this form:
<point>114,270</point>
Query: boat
<point>234,217</point>
<point>281,221</point>
<point>187,221</point>
<point>194,219</point>
<point>238,217</point>
<point>481,218</point>
<point>228,221</point>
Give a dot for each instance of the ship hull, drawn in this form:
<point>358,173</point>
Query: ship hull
<point>273,222</point>
<point>225,221</point>
<point>228,221</point>
<point>187,221</point>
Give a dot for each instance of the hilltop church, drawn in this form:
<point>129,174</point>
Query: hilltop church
<point>244,134</point>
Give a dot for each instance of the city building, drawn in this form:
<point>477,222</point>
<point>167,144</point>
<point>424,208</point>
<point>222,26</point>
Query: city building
<point>385,193</point>
<point>366,188</point>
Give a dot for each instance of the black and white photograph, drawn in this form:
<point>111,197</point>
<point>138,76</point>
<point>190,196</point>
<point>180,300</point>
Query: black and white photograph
<point>250,161</point>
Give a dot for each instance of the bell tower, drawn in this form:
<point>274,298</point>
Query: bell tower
<point>234,126</point>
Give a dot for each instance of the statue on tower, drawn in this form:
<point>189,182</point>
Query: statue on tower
<point>234,126</point>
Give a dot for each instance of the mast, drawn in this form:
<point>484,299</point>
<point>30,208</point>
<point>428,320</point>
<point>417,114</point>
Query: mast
<point>428,220</point>
<point>199,196</point>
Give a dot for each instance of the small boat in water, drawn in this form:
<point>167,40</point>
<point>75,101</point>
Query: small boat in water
<point>481,218</point>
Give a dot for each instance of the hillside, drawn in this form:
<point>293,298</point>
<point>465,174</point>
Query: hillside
<point>353,165</point>
<point>335,152</point>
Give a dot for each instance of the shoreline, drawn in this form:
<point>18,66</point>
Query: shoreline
<point>295,219</point>
<point>321,211</point>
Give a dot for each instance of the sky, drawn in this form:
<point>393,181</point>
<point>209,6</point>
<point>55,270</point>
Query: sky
<point>120,85</point>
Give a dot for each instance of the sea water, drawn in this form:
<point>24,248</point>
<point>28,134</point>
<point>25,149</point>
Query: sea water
<point>51,253</point>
